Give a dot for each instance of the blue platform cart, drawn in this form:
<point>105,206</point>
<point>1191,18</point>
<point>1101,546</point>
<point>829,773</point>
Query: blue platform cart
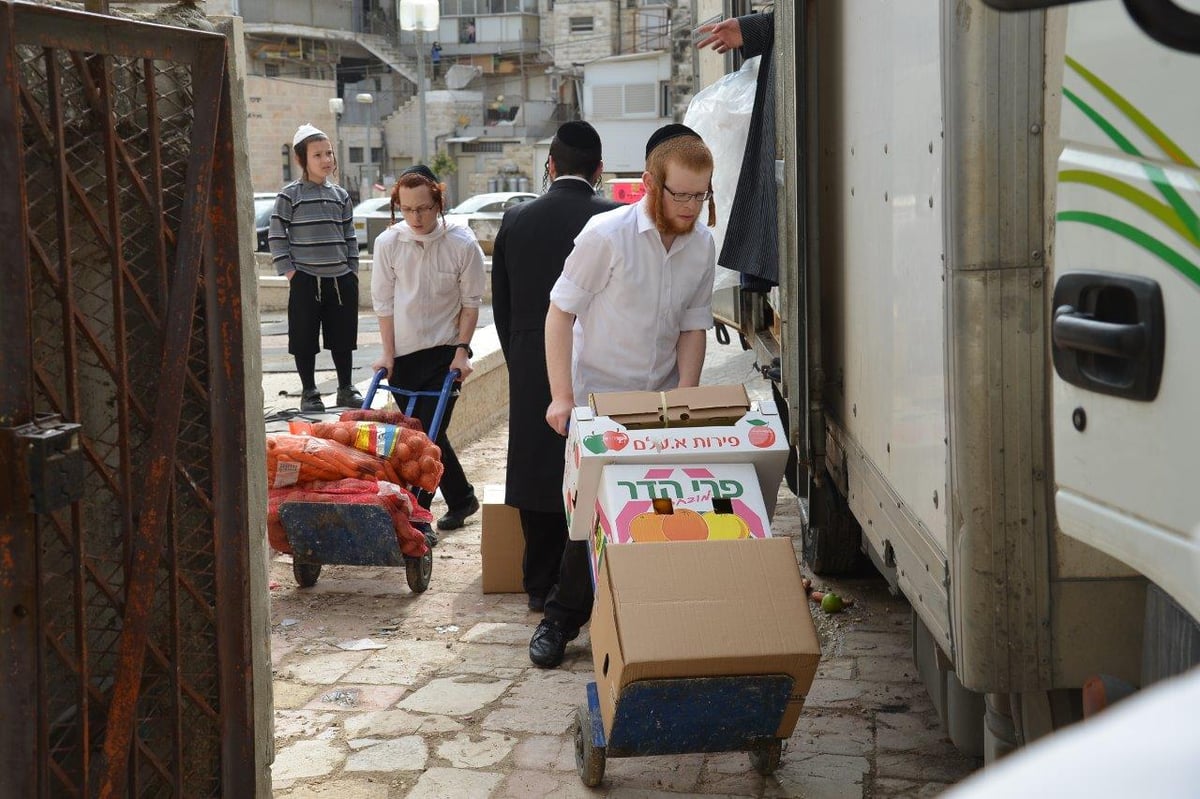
<point>361,535</point>
<point>675,716</point>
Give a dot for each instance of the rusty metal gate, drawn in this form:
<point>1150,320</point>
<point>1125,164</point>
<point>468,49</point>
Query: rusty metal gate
<point>124,613</point>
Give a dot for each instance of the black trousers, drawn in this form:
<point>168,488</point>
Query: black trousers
<point>322,305</point>
<point>545,537</point>
<point>570,603</point>
<point>425,370</point>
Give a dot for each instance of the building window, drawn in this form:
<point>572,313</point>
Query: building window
<point>583,24</point>
<point>356,154</point>
<point>271,70</point>
<point>376,155</point>
<point>483,147</point>
<point>632,100</point>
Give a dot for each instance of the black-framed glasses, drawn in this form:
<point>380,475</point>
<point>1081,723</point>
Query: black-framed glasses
<point>420,210</point>
<point>686,197</point>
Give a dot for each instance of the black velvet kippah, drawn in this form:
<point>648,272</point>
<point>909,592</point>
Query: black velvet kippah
<point>579,135</point>
<point>666,132</point>
<point>421,169</point>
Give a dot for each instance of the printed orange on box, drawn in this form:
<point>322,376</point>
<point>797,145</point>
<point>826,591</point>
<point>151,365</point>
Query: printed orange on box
<point>639,503</point>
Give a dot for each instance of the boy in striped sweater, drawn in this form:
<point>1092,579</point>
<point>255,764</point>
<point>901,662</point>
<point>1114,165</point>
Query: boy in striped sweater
<point>313,245</point>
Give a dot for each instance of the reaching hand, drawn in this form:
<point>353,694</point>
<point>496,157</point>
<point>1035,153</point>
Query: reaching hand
<point>462,363</point>
<point>722,36</point>
<point>558,414</point>
<point>385,363</point>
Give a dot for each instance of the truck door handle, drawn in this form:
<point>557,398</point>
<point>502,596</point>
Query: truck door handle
<point>1079,331</point>
<point>1109,333</point>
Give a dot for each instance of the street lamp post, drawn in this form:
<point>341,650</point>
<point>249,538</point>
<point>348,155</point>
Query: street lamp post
<point>337,107</point>
<point>367,99</point>
<point>420,16</point>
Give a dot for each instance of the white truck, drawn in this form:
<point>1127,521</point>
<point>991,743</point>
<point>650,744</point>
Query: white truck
<point>985,334</point>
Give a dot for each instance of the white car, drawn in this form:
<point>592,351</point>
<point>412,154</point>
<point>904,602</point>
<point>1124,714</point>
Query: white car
<point>375,207</point>
<point>482,213</point>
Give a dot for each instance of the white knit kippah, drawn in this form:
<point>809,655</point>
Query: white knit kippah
<point>304,131</point>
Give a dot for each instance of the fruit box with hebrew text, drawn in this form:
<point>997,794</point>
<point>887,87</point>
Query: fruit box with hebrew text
<point>640,503</point>
<point>754,437</point>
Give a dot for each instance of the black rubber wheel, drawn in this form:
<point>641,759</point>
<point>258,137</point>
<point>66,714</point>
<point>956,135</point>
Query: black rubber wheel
<point>765,757</point>
<point>418,571</point>
<point>589,758</point>
<point>306,574</point>
<point>832,538</point>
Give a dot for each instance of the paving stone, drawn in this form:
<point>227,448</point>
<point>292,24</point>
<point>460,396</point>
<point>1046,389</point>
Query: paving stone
<point>920,767</point>
<point>280,648</point>
<point>906,732</point>
<point>507,662</point>
<point>545,753</point>
<point>810,786</point>
<point>499,633</point>
<point>529,784</point>
<point>339,789</point>
<point>543,702</point>
<point>677,773</point>
<point>301,723</point>
<point>305,759</point>
<point>729,773</point>
<point>402,664</point>
<point>454,783</point>
<point>886,669</point>
<point>389,723</point>
<point>455,696</point>
<point>356,698</point>
<point>324,669</point>
<point>845,769</point>
<point>291,695</point>
<point>832,693</point>
<point>883,644</point>
<point>402,754</point>
<point>831,733</point>
<point>836,668</point>
<point>885,788</point>
<point>476,751</point>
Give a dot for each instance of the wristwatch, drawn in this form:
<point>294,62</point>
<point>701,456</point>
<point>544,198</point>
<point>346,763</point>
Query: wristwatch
<point>462,345</point>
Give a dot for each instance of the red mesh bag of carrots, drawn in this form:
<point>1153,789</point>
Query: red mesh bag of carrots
<point>416,459</point>
<point>401,506</point>
<point>381,415</point>
<point>298,460</point>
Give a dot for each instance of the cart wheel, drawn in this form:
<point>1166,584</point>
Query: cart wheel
<point>589,758</point>
<point>765,756</point>
<point>306,574</point>
<point>418,571</point>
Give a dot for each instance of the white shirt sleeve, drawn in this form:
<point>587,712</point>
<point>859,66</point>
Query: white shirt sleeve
<point>383,276</point>
<point>586,273</point>
<point>698,314</point>
<point>471,279</point>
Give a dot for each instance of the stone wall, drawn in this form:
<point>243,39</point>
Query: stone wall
<point>580,48</point>
<point>274,109</point>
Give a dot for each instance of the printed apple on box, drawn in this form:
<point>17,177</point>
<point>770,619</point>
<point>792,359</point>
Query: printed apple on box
<point>705,503</point>
<point>755,438</point>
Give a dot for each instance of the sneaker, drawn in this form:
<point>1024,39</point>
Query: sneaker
<point>310,401</point>
<point>349,397</point>
<point>549,644</point>
<point>455,519</point>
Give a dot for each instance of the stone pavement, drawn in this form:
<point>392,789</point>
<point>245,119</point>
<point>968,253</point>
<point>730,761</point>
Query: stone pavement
<point>451,707</point>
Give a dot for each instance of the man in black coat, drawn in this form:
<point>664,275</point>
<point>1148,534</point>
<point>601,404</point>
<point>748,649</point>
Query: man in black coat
<point>527,258</point>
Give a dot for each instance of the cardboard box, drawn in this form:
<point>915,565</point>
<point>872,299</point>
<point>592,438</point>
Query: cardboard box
<point>502,545</point>
<point>702,609</point>
<point>593,442</point>
<point>641,503</point>
<point>699,406</point>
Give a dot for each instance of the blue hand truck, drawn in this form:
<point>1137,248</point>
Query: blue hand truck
<point>361,535</point>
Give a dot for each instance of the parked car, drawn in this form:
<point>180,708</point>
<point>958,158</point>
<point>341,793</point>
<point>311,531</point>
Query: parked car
<point>264,203</point>
<point>483,212</point>
<point>376,208</point>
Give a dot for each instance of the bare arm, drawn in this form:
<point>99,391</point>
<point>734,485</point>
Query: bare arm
<point>387,336</point>
<point>467,318</point>
<point>689,353</point>
<point>559,326</point>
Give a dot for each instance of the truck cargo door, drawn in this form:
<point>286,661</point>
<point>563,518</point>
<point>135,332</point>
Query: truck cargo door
<point>1126,303</point>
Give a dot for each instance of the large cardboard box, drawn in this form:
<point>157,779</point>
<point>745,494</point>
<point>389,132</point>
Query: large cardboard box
<point>638,503</point>
<point>594,441</point>
<point>699,406</point>
<point>702,609</point>
<point>502,544</point>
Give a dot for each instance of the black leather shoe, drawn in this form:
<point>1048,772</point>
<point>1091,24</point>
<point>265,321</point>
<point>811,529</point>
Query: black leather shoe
<point>455,519</point>
<point>549,643</point>
<point>310,401</point>
<point>349,397</point>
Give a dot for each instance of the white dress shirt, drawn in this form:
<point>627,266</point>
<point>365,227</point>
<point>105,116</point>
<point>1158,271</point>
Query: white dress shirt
<point>631,300</point>
<point>424,281</point>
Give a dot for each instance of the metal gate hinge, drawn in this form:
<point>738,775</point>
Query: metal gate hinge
<point>49,462</point>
